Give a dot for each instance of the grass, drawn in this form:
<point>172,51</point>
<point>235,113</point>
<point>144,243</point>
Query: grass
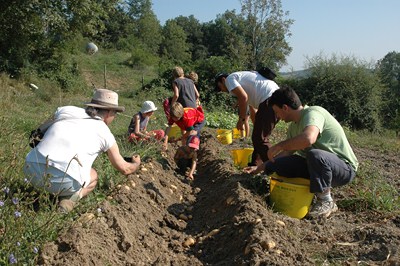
<point>29,218</point>
<point>371,191</point>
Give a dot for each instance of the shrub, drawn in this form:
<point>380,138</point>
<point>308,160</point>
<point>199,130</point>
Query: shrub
<point>345,87</point>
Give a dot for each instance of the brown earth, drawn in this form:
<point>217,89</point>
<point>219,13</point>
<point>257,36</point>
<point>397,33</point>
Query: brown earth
<point>158,218</point>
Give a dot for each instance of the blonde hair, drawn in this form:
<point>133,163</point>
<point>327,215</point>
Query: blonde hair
<point>193,76</point>
<point>177,72</point>
<point>177,110</point>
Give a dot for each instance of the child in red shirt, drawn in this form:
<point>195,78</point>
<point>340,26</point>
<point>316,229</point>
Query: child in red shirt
<point>189,120</point>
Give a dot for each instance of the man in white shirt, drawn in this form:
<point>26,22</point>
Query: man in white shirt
<point>253,90</point>
<point>62,162</point>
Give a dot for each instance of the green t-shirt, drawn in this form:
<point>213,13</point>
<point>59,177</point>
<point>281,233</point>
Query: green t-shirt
<point>331,134</point>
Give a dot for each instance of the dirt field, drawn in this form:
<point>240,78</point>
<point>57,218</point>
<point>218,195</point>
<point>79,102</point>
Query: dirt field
<point>158,218</point>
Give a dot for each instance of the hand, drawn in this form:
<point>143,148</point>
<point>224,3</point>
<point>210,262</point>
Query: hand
<point>165,146</point>
<point>240,124</point>
<point>250,169</point>
<point>190,176</point>
<point>193,133</point>
<point>273,152</point>
<point>136,159</point>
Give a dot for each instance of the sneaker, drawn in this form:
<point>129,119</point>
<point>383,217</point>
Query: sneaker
<point>66,205</point>
<point>322,209</point>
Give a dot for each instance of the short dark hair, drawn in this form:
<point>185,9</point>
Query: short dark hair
<point>218,78</point>
<point>285,95</point>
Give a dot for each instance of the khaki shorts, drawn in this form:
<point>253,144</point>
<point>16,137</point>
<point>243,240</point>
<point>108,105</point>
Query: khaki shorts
<point>53,180</point>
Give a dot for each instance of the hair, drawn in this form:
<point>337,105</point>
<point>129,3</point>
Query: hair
<point>94,112</point>
<point>177,72</point>
<point>219,77</point>
<point>285,95</point>
<point>193,76</point>
<point>177,110</point>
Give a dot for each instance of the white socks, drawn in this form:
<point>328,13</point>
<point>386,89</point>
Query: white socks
<point>325,196</point>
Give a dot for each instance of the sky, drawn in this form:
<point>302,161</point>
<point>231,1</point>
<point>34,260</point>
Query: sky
<point>364,29</point>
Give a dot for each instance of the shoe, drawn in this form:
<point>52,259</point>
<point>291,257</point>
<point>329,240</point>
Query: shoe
<point>66,205</point>
<point>322,209</point>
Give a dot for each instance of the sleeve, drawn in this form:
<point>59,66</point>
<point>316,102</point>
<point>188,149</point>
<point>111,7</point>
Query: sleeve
<point>108,138</point>
<point>231,82</point>
<point>314,118</point>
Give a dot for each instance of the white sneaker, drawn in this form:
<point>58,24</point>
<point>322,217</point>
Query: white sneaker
<point>322,208</point>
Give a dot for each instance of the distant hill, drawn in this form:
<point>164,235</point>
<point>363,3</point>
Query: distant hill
<point>296,74</point>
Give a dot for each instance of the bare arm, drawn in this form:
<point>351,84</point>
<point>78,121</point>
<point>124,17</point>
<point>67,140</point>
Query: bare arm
<point>176,94</point>
<point>194,165</point>
<point>253,112</point>
<point>304,140</point>
<point>120,164</point>
<point>196,92</point>
<point>242,100</point>
<point>165,144</point>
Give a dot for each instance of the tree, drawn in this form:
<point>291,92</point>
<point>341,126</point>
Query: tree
<point>35,30</point>
<point>388,70</point>
<point>147,27</point>
<point>267,29</point>
<point>174,45</point>
<point>226,37</point>
<point>194,33</point>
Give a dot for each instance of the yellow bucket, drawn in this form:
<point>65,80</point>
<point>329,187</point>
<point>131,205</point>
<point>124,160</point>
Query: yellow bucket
<point>237,134</point>
<point>290,196</point>
<point>174,132</point>
<point>224,136</point>
<point>242,157</point>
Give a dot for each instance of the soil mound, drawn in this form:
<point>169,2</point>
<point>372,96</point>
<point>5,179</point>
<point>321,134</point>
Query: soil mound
<point>221,218</point>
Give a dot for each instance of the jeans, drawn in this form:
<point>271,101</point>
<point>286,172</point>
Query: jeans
<point>324,169</point>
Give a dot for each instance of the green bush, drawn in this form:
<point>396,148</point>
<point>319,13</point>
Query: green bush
<point>345,87</point>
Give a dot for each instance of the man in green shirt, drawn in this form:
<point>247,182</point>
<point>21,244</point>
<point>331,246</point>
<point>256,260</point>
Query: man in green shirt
<point>316,148</point>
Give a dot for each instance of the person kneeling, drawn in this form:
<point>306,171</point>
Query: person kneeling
<point>137,129</point>
<point>62,161</point>
<point>186,156</point>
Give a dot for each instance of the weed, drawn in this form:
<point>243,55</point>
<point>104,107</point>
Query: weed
<point>371,191</point>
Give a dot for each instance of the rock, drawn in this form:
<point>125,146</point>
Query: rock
<point>268,244</point>
<point>183,217</point>
<point>189,242</point>
<point>86,217</point>
<point>258,220</point>
<point>230,200</point>
<point>132,183</point>
<point>281,223</point>
<point>212,233</point>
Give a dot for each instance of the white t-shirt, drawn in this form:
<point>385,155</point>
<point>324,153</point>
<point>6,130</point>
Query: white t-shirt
<point>257,87</point>
<point>76,136</point>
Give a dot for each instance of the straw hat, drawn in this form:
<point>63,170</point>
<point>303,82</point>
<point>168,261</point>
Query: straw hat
<point>148,106</point>
<point>105,99</point>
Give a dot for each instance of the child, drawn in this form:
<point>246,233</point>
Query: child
<point>137,127</point>
<point>185,91</point>
<point>189,120</point>
<point>186,156</point>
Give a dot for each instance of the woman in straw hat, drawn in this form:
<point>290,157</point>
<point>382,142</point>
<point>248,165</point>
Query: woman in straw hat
<point>62,162</point>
